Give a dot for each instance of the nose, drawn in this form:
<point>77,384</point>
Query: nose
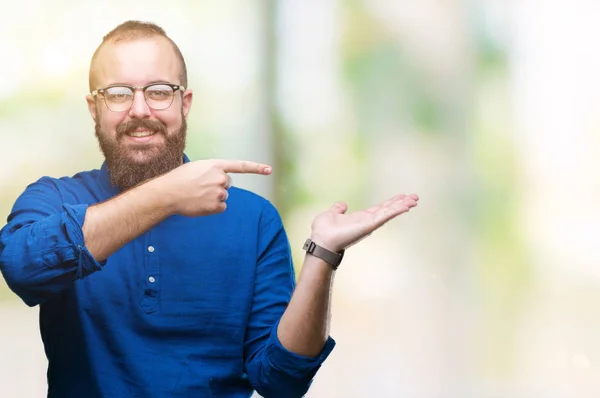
<point>139,109</point>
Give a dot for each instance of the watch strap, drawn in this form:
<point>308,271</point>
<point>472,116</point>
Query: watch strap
<point>332,258</point>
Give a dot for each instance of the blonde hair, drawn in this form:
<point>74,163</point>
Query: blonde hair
<point>132,30</point>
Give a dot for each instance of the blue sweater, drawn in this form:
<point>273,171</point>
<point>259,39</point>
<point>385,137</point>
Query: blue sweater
<point>188,309</point>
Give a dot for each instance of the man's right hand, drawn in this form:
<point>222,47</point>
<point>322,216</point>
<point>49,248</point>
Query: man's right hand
<point>200,187</point>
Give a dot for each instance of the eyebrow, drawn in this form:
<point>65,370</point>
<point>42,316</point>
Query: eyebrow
<point>131,85</point>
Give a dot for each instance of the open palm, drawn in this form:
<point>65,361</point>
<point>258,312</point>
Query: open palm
<point>336,230</point>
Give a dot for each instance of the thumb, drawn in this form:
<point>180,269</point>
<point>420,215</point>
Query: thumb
<point>339,208</point>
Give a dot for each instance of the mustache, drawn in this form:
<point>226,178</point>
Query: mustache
<point>134,124</point>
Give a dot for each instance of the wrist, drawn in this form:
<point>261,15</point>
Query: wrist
<point>162,195</point>
<point>325,243</point>
<point>316,250</point>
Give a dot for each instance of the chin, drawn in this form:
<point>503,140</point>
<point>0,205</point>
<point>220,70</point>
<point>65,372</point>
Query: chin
<point>142,155</point>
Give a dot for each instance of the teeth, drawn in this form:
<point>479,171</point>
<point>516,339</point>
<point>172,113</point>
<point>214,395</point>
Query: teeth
<point>141,134</point>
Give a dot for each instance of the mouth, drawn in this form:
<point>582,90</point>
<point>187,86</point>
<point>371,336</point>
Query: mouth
<point>141,135</point>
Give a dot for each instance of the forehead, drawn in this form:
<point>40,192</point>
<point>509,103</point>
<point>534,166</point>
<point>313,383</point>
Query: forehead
<point>137,62</point>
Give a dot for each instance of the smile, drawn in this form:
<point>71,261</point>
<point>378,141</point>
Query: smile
<point>141,133</point>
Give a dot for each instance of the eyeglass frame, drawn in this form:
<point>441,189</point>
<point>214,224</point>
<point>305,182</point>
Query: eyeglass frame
<point>174,87</point>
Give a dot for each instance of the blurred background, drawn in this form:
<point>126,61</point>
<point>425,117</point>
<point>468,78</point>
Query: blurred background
<point>488,109</point>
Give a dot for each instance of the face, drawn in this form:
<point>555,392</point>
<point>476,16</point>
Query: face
<point>141,142</point>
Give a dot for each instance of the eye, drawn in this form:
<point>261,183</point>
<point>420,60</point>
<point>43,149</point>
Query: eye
<point>118,94</point>
<point>159,92</point>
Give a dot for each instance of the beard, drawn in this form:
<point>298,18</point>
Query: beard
<point>125,171</point>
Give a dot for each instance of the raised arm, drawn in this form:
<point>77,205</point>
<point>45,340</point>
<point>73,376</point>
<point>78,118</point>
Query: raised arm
<point>288,340</point>
<point>304,327</point>
<point>194,189</point>
<point>47,244</point>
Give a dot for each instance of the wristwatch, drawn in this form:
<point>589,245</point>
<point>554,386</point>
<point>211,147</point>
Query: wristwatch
<point>332,258</point>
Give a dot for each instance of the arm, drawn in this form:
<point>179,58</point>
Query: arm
<point>194,189</point>
<point>273,370</point>
<point>46,244</point>
<point>287,338</point>
<point>41,246</point>
<point>304,326</point>
<point>111,224</point>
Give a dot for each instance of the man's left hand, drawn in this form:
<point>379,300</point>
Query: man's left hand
<point>335,230</point>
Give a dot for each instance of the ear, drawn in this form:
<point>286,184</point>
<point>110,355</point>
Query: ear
<point>186,102</point>
<point>91,103</point>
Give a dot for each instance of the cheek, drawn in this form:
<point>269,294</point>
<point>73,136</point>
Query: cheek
<point>172,120</point>
<point>108,124</point>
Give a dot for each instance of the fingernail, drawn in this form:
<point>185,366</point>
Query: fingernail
<point>268,170</point>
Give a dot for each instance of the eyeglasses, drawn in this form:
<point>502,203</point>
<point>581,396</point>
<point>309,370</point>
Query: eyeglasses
<point>119,98</point>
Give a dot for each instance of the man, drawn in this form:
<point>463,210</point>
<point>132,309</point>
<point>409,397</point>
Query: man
<point>154,276</point>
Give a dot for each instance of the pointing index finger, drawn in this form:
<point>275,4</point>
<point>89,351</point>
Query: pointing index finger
<point>244,167</point>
